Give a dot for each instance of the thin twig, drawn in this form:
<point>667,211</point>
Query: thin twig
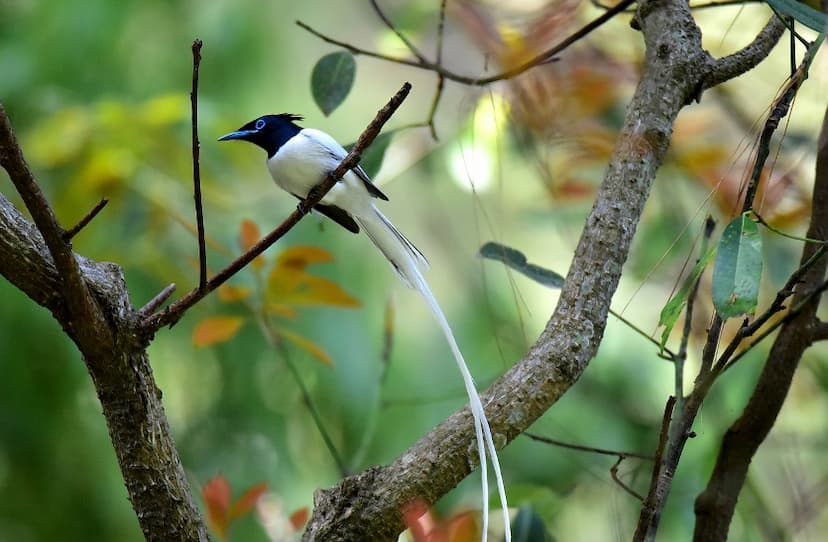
<point>650,505</point>
<point>202,248</point>
<point>159,299</point>
<point>411,47</point>
<point>174,312</point>
<point>425,64</point>
<point>277,342</point>
<point>590,449</point>
<point>69,234</point>
<point>441,79</point>
<point>621,483</point>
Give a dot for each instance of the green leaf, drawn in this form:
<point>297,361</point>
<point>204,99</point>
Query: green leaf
<point>671,311</point>
<point>373,156</point>
<point>332,79</point>
<point>529,527</point>
<point>738,268</point>
<point>517,261</point>
<point>810,17</point>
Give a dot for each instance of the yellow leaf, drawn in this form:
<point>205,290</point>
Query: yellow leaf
<point>216,330</point>
<point>307,345</point>
<point>302,256</point>
<point>282,310</point>
<point>165,109</point>
<point>60,138</point>
<point>229,293</point>
<point>289,284</point>
<point>307,289</point>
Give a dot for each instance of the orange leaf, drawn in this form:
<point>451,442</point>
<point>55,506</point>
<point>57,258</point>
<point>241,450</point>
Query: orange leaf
<point>319,291</point>
<point>462,527</point>
<point>245,503</point>
<point>300,257</point>
<point>216,330</point>
<point>229,293</point>
<point>307,345</point>
<point>249,234</point>
<point>299,518</point>
<point>216,495</point>
<point>289,284</point>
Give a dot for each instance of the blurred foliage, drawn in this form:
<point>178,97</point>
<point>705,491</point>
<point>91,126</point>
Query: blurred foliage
<point>98,91</point>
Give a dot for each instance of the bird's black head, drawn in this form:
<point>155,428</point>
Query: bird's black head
<point>269,132</point>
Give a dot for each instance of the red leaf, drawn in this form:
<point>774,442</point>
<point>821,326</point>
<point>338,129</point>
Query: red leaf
<point>216,495</point>
<point>299,518</point>
<point>245,503</point>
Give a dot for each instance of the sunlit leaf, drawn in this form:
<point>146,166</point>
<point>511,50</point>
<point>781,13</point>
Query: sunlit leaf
<point>245,503</point>
<point>216,495</point>
<point>216,330</point>
<point>249,234</point>
<point>738,268</point>
<point>60,138</point>
<point>332,79</point>
<point>165,109</point>
<point>229,293</point>
<point>299,517</point>
<point>106,168</point>
<point>306,344</point>
<point>517,261</point>
<point>673,308</point>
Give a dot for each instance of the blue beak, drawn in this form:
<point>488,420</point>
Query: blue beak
<point>241,134</point>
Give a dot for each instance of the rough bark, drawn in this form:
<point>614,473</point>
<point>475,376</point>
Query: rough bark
<point>368,506</point>
<point>91,303</point>
<point>716,504</point>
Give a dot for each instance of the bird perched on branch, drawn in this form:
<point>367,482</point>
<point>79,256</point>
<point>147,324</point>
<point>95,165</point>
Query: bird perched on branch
<point>299,159</point>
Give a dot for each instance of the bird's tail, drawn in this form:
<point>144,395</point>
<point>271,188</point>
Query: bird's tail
<point>406,260</point>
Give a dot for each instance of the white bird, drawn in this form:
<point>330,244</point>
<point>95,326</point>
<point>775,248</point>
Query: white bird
<point>299,159</point>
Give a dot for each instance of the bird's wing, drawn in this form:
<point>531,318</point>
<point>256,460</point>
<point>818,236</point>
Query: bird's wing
<point>338,215</point>
<point>338,153</point>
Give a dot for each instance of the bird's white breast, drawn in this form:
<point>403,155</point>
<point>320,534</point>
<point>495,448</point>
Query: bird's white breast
<point>305,160</point>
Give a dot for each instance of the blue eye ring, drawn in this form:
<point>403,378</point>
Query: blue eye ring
<point>260,124</point>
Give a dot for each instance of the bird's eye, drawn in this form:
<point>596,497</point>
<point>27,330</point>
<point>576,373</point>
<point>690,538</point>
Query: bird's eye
<point>260,124</point>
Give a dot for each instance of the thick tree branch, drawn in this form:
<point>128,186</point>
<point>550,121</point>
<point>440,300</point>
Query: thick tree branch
<point>747,58</point>
<point>91,302</point>
<point>83,320</point>
<point>368,506</point>
<point>716,504</point>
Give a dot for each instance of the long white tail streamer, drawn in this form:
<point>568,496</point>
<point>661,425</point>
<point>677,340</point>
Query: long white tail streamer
<point>406,260</point>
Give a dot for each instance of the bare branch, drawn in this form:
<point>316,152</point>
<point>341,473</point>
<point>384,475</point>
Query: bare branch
<point>369,506</point>
<point>411,47</point>
<point>69,234</point>
<point>436,67</point>
<point>199,211</point>
<point>716,504</point>
<point>747,58</point>
<point>85,322</point>
<point>589,449</point>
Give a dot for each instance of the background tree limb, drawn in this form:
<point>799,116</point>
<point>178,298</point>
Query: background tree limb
<point>368,506</point>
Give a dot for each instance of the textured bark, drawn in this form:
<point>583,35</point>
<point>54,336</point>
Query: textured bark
<point>91,303</point>
<point>368,506</point>
<point>716,504</point>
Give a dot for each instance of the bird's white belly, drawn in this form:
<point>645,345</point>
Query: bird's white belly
<point>297,168</point>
